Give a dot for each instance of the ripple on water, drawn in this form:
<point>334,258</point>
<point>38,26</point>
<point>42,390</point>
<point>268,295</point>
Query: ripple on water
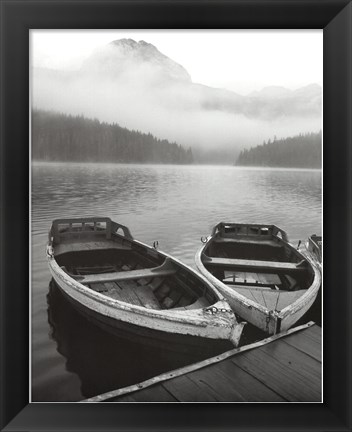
<point>175,205</point>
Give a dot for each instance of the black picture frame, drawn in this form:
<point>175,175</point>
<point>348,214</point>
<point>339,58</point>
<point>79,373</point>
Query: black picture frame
<point>17,18</point>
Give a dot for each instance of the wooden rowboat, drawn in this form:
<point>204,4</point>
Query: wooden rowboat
<point>123,283</point>
<point>265,279</point>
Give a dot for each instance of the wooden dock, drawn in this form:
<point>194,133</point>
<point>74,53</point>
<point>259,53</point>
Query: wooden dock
<point>282,368</point>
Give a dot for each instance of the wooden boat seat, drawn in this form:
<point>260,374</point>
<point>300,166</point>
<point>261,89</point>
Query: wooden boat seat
<point>256,242</point>
<point>165,269</point>
<point>88,244</point>
<point>270,299</point>
<point>253,264</point>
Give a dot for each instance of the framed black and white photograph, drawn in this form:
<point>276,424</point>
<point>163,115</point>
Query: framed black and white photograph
<point>169,172</point>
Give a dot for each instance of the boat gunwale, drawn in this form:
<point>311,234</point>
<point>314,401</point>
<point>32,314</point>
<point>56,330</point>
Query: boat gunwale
<point>317,254</point>
<point>194,316</point>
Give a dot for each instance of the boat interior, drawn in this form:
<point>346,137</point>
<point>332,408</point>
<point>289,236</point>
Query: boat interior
<point>114,265</point>
<point>258,264</point>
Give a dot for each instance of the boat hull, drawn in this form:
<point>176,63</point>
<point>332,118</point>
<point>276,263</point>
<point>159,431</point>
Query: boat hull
<point>269,321</point>
<point>191,323</point>
<point>180,344</point>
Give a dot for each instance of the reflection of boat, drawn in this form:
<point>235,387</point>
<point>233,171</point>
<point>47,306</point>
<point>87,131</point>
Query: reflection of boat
<point>104,361</point>
<point>265,279</point>
<point>315,246</point>
<point>123,283</point>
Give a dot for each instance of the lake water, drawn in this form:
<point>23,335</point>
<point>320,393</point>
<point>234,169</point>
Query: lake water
<point>176,205</point>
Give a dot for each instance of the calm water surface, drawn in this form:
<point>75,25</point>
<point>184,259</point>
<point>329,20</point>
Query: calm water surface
<point>176,205</point>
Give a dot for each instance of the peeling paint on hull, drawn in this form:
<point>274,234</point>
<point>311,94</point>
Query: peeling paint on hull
<point>270,321</point>
<point>192,323</point>
<point>171,342</point>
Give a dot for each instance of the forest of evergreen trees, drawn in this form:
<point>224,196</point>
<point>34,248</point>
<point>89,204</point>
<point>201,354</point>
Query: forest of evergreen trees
<point>66,138</point>
<point>301,151</point>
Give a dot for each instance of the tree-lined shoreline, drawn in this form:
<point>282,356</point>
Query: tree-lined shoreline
<point>301,151</point>
<point>67,138</point>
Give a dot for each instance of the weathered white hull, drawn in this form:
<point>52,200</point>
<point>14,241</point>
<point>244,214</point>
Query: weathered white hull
<point>196,322</point>
<point>270,321</point>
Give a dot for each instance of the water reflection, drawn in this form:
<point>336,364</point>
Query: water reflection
<point>100,359</point>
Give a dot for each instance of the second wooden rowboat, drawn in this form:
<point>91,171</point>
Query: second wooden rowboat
<point>118,280</point>
<point>266,280</point>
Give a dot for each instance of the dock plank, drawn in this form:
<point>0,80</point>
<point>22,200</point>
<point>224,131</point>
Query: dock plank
<point>290,383</point>
<point>294,359</point>
<point>279,368</point>
<point>306,346</point>
<point>218,384</point>
<point>236,385</point>
<point>152,394</point>
<point>186,390</point>
<point>315,333</point>
<point>308,342</point>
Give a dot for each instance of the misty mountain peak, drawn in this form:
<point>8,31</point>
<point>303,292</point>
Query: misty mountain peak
<point>125,43</point>
<point>142,49</point>
<point>126,57</point>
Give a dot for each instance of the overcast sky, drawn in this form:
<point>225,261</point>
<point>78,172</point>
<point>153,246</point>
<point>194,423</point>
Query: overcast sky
<point>242,61</point>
